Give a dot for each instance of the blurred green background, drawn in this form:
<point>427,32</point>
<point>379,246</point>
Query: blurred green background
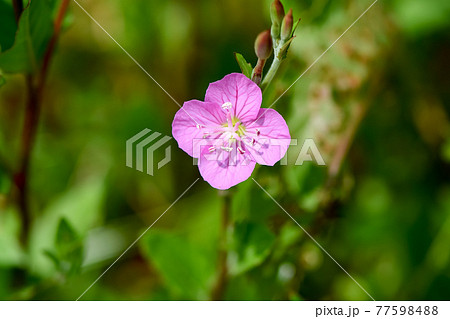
<point>376,104</point>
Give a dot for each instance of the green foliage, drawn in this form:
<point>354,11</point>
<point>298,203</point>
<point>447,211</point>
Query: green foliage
<point>246,67</point>
<point>55,231</point>
<point>7,25</point>
<point>284,49</point>
<point>68,254</point>
<point>34,31</point>
<point>2,80</point>
<point>384,216</point>
<point>250,204</point>
<point>187,270</point>
<point>294,27</point>
<point>416,17</point>
<point>251,245</point>
<point>5,182</point>
<point>12,254</point>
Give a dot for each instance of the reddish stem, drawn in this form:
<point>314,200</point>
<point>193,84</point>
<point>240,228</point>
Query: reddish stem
<point>35,85</point>
<point>18,8</point>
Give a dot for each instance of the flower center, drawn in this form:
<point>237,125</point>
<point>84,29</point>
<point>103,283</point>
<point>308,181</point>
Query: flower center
<point>230,135</point>
<point>234,129</point>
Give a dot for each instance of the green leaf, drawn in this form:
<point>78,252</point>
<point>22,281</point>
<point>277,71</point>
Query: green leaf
<point>246,67</point>
<point>5,180</point>
<point>417,17</point>
<point>445,151</point>
<point>8,25</point>
<point>253,243</point>
<point>294,27</point>
<point>34,32</point>
<point>251,205</point>
<point>81,208</point>
<point>186,269</point>
<point>11,254</point>
<point>52,256</point>
<point>66,237</point>
<point>2,80</point>
<point>284,49</point>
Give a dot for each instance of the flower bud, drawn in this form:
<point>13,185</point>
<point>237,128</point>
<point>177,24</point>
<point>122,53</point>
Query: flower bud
<point>286,26</point>
<point>263,45</point>
<point>276,12</point>
<point>276,15</point>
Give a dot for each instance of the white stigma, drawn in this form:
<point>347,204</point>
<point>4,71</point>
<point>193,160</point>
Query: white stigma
<point>227,105</point>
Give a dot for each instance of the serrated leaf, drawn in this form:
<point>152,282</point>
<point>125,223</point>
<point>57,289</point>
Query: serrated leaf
<point>246,67</point>
<point>34,31</point>
<point>186,269</point>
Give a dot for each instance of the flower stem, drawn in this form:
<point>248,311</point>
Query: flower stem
<point>218,290</point>
<point>271,73</point>
<point>35,86</point>
<point>18,8</point>
<point>28,137</point>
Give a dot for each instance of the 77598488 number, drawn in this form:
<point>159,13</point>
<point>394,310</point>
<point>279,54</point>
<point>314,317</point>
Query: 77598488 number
<point>407,310</point>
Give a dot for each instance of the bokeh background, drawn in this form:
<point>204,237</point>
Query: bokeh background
<point>376,104</point>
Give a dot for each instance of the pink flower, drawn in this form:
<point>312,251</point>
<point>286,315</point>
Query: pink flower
<point>229,133</point>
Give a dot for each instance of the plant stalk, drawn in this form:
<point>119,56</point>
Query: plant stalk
<point>18,8</point>
<point>35,86</point>
<point>28,137</point>
<point>271,73</point>
<point>219,288</point>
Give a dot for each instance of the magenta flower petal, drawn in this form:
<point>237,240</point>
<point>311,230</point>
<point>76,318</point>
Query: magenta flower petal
<point>195,120</point>
<point>243,94</point>
<point>222,169</point>
<point>230,133</point>
<point>269,136</point>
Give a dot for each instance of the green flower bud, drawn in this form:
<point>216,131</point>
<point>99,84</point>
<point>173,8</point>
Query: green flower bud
<point>263,45</point>
<point>286,26</point>
<point>276,15</point>
<point>276,12</point>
